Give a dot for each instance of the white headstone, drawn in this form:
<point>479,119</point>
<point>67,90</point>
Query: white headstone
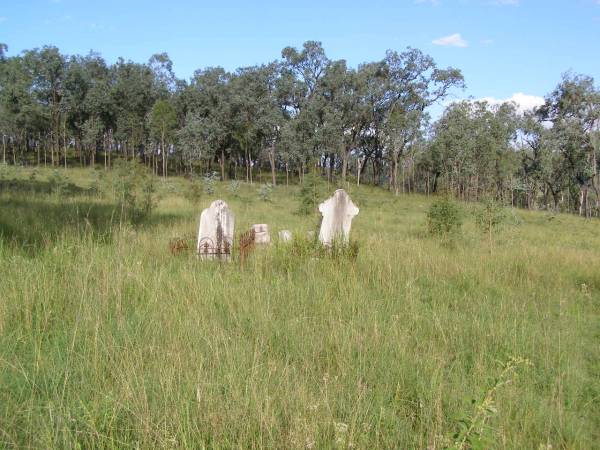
<point>285,236</point>
<point>338,212</point>
<point>215,236</point>
<point>261,233</point>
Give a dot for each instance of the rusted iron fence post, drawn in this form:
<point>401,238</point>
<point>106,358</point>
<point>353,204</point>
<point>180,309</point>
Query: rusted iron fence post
<point>247,242</point>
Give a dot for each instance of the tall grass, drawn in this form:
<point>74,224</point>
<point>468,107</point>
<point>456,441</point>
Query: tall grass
<point>109,341</point>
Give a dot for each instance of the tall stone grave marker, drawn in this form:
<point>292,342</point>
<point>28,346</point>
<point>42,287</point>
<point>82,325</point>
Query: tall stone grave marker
<point>215,236</point>
<point>338,212</point>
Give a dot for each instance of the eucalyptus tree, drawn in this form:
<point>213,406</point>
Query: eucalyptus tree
<point>413,84</point>
<point>162,123</point>
<point>302,73</point>
<point>256,113</point>
<point>46,68</point>
<point>572,110</point>
<point>86,100</point>
<point>347,109</point>
<point>20,115</point>
<point>132,96</point>
<point>165,81</point>
<point>473,148</point>
<point>272,113</point>
<point>207,102</point>
<point>192,141</point>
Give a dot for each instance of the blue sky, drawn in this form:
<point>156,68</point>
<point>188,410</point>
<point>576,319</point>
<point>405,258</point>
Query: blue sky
<point>503,47</point>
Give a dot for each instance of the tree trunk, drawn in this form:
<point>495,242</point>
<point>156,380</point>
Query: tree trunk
<point>345,157</point>
<point>222,164</point>
<point>394,174</point>
<point>164,154</point>
<point>65,140</point>
<point>250,166</point>
<point>272,162</point>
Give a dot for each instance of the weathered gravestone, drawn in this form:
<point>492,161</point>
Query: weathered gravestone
<point>285,236</point>
<point>215,236</point>
<point>261,233</point>
<point>338,212</point>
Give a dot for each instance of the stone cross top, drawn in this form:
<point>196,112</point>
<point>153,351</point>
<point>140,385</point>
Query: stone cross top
<point>338,212</point>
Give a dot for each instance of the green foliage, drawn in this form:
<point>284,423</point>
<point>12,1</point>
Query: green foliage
<point>444,218</point>
<point>474,432</point>
<point>193,190</point>
<point>59,183</point>
<point>7,172</point>
<point>264,192</point>
<point>490,217</point>
<point>300,349</point>
<point>98,184</point>
<point>134,191</point>
<point>210,182</point>
<point>234,188</point>
<point>163,119</point>
<point>310,194</point>
<point>302,248</point>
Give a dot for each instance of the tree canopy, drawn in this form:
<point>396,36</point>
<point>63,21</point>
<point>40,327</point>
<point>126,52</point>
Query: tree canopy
<point>301,112</point>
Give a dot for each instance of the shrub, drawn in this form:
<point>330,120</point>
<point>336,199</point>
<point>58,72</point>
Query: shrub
<point>310,193</point>
<point>490,217</point>
<point>58,183</point>
<point>98,184</point>
<point>193,191</point>
<point>234,188</point>
<point>134,189</point>
<point>264,193</point>
<point>444,218</point>
<point>210,182</point>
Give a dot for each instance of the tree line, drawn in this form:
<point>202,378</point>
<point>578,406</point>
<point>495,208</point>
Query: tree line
<point>304,112</point>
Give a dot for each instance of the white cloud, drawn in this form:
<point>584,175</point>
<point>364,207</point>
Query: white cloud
<point>454,40</point>
<point>523,101</point>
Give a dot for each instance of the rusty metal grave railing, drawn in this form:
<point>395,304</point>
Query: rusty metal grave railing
<point>247,244</point>
<point>221,249</point>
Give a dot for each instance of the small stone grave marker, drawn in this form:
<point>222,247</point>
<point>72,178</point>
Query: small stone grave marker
<point>285,236</point>
<point>261,233</point>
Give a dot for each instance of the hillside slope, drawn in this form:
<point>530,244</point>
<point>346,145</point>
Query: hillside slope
<point>109,341</point>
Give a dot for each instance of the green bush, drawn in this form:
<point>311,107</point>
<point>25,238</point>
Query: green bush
<point>444,218</point>
<point>98,182</point>
<point>490,217</point>
<point>193,191</point>
<point>134,191</point>
<point>310,194</point>
<point>234,188</point>
<point>59,183</point>
<point>264,193</point>
<point>210,182</point>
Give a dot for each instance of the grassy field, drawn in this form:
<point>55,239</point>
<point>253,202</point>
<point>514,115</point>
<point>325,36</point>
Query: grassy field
<point>109,341</point>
